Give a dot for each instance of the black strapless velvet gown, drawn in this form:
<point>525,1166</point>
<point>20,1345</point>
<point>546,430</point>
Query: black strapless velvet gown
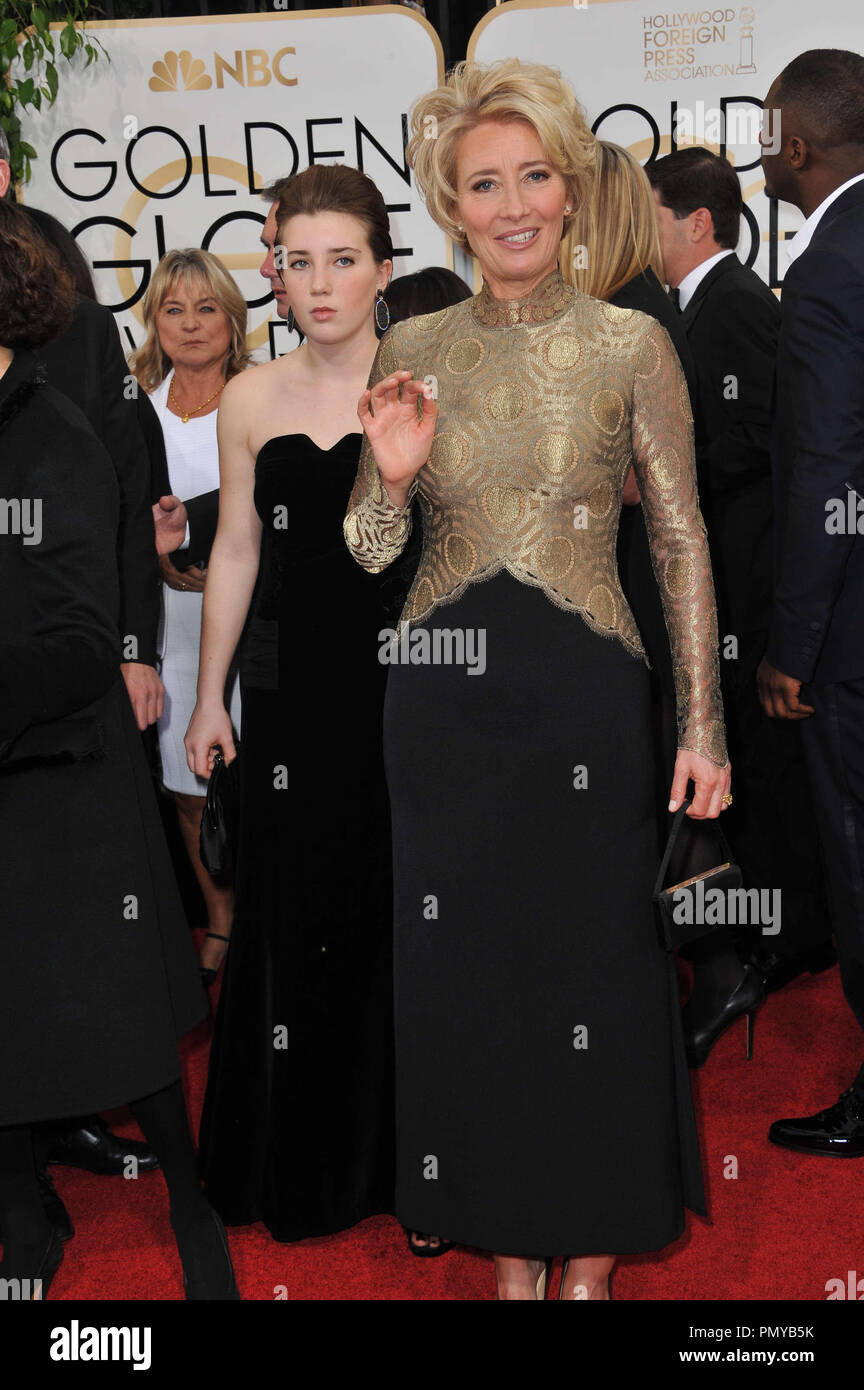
<point>297,1129</point>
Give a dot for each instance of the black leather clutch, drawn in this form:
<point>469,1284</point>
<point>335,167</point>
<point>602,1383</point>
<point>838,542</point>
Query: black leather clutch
<point>698,906</point>
<point>220,821</point>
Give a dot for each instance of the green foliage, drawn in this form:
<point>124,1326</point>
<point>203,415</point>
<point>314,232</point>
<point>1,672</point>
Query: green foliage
<point>26,32</point>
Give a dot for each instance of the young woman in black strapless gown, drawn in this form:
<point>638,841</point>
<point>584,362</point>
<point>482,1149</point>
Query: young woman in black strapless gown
<point>297,1129</point>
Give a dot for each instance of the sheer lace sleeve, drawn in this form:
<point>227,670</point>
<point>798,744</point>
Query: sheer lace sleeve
<point>375,530</point>
<point>664,462</point>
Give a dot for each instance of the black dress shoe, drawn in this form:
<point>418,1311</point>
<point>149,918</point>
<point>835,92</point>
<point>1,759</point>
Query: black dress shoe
<point>779,970</point>
<point>700,1034</point>
<point>838,1130</point>
<point>88,1143</point>
<point>214,1278</point>
<point>55,1209</point>
<point>28,1277</point>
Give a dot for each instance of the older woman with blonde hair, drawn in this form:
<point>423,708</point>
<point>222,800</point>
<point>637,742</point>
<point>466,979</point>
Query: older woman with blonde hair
<point>543,1105</point>
<point>195,317</point>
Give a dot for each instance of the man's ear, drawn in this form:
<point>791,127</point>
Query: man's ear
<point>702,225</point>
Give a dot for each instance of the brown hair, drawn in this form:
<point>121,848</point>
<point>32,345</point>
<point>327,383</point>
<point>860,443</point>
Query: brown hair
<point>149,363</point>
<point>37,298</point>
<point>335,188</point>
<point>616,227</point>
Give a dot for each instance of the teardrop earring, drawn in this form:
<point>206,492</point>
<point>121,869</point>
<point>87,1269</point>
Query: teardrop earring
<point>381,312</point>
<point>289,320</point>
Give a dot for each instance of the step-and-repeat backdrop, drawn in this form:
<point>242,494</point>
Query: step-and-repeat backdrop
<point>648,73</point>
<point>167,144</point>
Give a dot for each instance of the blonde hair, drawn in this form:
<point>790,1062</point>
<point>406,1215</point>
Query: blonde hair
<point>617,227</point>
<point>149,364</point>
<point>508,90</point>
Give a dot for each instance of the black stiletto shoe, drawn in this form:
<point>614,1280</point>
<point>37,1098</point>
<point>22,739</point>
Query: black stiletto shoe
<point>745,999</point>
<point>218,1283</point>
<point>209,972</point>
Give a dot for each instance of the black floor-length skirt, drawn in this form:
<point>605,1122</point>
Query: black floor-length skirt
<point>543,1102</point>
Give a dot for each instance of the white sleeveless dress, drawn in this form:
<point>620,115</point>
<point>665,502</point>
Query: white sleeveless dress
<point>193,468</point>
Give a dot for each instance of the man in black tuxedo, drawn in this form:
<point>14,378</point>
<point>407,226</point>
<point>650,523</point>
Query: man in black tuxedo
<point>732,321</point>
<point>813,671</point>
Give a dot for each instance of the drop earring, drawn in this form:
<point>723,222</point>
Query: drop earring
<point>290,320</point>
<point>381,312</point>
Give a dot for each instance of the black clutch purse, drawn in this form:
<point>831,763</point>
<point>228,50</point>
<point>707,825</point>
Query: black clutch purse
<point>682,908</point>
<point>220,821</point>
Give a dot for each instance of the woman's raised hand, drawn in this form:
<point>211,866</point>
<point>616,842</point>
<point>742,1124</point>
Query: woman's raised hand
<point>400,435</point>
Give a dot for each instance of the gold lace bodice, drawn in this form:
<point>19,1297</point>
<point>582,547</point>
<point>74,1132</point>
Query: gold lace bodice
<point>543,404</point>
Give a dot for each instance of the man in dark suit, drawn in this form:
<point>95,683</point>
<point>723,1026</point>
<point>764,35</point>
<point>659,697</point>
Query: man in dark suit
<point>813,671</point>
<point>732,320</point>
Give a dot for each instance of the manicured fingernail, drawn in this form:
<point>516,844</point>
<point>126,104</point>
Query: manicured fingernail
<point>673,805</point>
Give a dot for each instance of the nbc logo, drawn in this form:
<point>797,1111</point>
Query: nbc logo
<point>192,72</point>
<point>251,67</point>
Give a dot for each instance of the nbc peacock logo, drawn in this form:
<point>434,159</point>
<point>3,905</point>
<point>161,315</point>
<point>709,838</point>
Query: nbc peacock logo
<point>249,67</point>
<point>179,69</point>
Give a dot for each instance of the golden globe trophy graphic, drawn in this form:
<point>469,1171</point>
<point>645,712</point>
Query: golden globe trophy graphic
<point>746,41</point>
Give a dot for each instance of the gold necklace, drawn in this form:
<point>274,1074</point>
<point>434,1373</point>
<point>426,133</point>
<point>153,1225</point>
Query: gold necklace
<point>185,418</point>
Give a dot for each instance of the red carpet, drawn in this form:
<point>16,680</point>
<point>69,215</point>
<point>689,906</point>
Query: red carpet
<point>781,1229</point>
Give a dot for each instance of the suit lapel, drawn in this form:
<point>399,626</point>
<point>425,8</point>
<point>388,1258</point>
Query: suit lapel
<point>852,198</point>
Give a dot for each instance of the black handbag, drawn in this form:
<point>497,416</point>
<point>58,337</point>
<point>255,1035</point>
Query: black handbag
<point>681,908</point>
<point>220,821</point>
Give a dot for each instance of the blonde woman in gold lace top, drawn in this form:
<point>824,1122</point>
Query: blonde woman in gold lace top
<point>543,1105</point>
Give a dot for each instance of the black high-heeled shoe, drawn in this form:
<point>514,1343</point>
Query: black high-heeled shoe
<point>34,1278</point>
<point>745,999</point>
<point>209,972</point>
<point>218,1282</point>
<point>426,1252</point>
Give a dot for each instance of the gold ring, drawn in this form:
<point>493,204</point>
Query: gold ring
<point>182,586</point>
<point>726,799</point>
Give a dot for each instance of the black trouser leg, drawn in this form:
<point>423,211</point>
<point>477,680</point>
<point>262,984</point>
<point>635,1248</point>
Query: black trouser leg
<point>834,746</point>
<point>23,1222</point>
<point>164,1123</point>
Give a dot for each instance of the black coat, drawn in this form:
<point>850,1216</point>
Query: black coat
<point>732,323</point>
<point>97,972</point>
<point>86,363</point>
<point>817,628</point>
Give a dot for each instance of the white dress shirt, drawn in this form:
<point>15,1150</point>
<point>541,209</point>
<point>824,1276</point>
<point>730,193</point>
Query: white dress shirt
<point>693,279</point>
<point>802,238</point>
